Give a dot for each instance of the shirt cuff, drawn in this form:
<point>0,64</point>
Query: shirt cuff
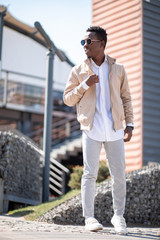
<point>84,85</point>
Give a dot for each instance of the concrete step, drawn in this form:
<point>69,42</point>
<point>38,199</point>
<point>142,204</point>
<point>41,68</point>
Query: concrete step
<point>69,147</point>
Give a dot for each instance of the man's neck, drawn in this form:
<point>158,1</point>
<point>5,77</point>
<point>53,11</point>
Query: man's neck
<point>99,60</point>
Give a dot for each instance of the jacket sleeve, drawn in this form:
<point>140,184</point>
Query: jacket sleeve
<point>73,91</point>
<point>126,97</point>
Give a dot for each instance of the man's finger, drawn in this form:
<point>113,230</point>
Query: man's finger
<point>127,139</point>
<point>92,80</point>
<point>129,135</point>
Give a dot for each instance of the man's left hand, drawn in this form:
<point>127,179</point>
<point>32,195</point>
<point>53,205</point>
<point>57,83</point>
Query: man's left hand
<point>128,131</point>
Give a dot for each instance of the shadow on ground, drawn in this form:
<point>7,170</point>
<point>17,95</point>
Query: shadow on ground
<point>144,236</point>
<point>21,213</point>
<point>140,234</point>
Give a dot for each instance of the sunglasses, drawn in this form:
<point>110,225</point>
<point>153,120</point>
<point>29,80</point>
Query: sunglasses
<point>88,41</point>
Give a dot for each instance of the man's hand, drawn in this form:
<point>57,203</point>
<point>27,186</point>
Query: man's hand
<point>92,80</point>
<point>128,131</point>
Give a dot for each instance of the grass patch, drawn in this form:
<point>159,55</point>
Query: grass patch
<point>30,213</point>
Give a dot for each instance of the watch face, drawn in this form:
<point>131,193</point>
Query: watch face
<point>131,127</point>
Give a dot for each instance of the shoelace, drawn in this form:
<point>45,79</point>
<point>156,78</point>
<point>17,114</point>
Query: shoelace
<point>91,220</point>
<point>120,221</point>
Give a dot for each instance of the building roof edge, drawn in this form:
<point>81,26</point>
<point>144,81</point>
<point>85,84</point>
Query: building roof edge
<point>29,31</point>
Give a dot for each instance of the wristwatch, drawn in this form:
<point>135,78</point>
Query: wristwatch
<point>131,127</point>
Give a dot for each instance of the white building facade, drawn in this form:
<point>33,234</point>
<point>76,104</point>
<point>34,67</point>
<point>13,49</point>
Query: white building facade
<point>24,66</point>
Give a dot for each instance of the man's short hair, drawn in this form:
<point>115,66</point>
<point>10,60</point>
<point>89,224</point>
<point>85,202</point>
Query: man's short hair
<point>100,32</point>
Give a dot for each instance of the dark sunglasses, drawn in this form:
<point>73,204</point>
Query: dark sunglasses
<point>88,41</point>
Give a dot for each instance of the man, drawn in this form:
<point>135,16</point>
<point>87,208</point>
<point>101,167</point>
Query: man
<point>99,87</point>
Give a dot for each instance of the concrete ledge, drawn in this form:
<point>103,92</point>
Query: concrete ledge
<point>20,200</point>
<point>7,198</point>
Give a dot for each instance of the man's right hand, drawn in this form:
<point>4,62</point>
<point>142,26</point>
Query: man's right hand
<point>92,79</point>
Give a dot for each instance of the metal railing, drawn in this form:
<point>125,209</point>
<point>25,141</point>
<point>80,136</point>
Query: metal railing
<point>57,177</point>
<point>61,130</point>
<point>19,89</point>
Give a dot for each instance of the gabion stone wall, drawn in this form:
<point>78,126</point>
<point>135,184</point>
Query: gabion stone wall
<point>142,201</point>
<point>20,165</point>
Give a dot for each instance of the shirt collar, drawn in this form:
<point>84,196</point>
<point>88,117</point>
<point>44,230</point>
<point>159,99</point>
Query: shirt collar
<point>109,59</point>
<point>95,65</point>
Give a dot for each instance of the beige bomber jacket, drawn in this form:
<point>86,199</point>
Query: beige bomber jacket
<point>85,100</point>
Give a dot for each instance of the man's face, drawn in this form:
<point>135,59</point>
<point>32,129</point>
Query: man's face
<point>94,48</point>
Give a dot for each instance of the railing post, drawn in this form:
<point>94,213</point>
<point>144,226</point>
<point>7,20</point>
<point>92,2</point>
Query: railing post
<point>5,89</point>
<point>48,124</point>
<point>68,129</point>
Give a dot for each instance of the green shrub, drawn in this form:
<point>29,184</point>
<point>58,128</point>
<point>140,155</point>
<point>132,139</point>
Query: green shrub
<point>75,177</point>
<point>103,172</point>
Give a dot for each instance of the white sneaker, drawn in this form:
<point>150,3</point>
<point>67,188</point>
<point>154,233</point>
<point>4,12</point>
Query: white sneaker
<point>91,224</point>
<point>119,224</point>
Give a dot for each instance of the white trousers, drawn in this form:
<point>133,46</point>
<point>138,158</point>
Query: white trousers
<point>116,161</point>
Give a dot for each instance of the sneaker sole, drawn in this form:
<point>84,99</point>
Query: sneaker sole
<point>121,233</point>
<point>94,229</point>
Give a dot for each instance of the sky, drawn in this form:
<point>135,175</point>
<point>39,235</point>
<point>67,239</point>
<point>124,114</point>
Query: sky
<point>65,21</point>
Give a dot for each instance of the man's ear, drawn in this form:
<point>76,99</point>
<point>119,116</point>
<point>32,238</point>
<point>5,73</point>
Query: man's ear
<point>103,44</point>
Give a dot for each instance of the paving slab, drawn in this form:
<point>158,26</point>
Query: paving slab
<point>104,235</point>
<point>12,228</point>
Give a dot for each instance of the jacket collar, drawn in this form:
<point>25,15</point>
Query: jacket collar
<point>109,59</point>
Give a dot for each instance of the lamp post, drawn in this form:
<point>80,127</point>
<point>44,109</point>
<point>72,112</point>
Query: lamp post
<point>48,124</point>
<point>48,107</point>
<point>47,113</point>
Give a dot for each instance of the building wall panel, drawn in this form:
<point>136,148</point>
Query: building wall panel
<point>151,80</point>
<point>123,21</point>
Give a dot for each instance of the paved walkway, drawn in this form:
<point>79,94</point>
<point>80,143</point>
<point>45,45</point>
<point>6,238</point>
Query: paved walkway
<point>12,228</point>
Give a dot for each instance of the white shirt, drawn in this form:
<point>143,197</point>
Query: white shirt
<point>102,129</point>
